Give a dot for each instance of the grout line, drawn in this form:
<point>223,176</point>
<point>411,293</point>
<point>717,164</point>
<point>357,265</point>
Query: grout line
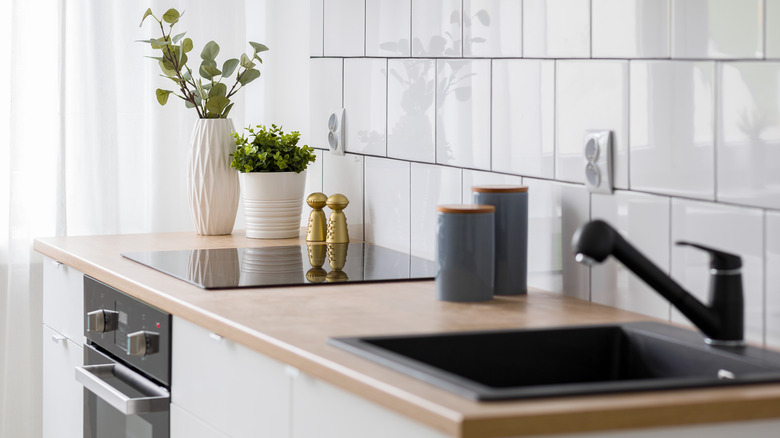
<point>715,125</point>
<point>590,29</point>
<point>764,292</point>
<point>763,33</point>
<point>365,26</point>
<point>628,125</point>
<point>555,118</point>
<point>669,240</point>
<point>387,105</point>
<point>490,111</point>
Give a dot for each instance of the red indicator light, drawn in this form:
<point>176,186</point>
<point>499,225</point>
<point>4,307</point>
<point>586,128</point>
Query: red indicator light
<point>158,325</point>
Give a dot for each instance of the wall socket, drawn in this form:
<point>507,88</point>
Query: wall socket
<point>336,131</point>
<point>598,161</point>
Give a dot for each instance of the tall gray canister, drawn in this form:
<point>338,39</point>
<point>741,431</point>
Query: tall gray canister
<point>511,259</point>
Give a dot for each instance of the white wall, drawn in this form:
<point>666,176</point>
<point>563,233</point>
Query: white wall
<point>443,94</point>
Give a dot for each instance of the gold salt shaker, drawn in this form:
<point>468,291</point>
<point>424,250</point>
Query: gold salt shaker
<point>317,228</point>
<point>337,226</point>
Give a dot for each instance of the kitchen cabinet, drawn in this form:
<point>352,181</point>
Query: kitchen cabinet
<point>235,390</point>
<point>63,399</point>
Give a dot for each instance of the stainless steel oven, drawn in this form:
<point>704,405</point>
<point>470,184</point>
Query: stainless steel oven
<point>126,376</point>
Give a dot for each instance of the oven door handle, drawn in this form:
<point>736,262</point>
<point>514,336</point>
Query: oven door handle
<point>155,398</point>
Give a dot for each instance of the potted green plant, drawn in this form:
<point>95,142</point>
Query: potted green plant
<point>212,187</point>
<point>272,174</point>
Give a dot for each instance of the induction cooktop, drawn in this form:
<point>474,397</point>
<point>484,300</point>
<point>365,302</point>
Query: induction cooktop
<point>313,264</point>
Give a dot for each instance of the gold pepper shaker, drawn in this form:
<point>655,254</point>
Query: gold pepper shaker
<point>317,254</point>
<point>337,258</point>
<point>316,230</point>
<point>337,226</point>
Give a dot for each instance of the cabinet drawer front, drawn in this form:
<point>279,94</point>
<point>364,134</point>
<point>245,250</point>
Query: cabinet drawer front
<point>185,425</point>
<point>234,389</point>
<point>63,397</point>
<point>63,299</point>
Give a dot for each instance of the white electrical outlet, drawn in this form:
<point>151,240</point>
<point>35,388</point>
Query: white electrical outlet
<point>598,161</point>
<point>336,131</point>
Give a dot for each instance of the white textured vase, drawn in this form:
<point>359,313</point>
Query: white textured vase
<point>273,202</point>
<point>212,185</point>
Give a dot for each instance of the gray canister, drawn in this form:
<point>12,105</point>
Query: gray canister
<point>464,252</point>
<point>511,260</point>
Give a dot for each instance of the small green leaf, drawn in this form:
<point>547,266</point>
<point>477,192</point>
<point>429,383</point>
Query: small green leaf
<point>210,51</point>
<point>160,43</point>
<point>162,96</point>
<point>208,70</point>
<point>217,104</point>
<point>167,68</point>
<point>171,16</point>
<point>146,14</point>
<point>258,47</point>
<point>178,37</point>
<point>229,66</point>
<point>246,62</point>
<point>260,60</point>
<point>186,45</point>
<point>219,89</point>
<point>189,104</point>
<point>226,111</point>
<point>249,76</point>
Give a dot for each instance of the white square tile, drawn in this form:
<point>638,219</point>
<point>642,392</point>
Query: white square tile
<point>411,99</point>
<point>436,28</point>
<point>732,229</point>
<point>316,22</point>
<point>388,205</point>
<point>365,95</point>
<point>772,279</point>
<point>325,81</point>
<point>556,28</point>
<point>463,113</point>
<point>748,139</point>
<point>492,28</point>
<point>388,28</point>
<point>672,118</point>
<point>524,117</point>
<point>591,95</point>
<point>313,182</point>
<point>344,27</point>
<point>643,220</point>
<point>720,29</point>
<point>630,28</point>
<point>479,178</point>
<point>344,174</point>
<point>773,29</point>
<point>431,186</point>
<point>555,211</point>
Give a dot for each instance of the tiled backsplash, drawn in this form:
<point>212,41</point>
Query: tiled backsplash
<point>444,94</point>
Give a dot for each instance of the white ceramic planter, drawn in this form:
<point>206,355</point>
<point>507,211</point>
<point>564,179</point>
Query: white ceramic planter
<point>273,202</point>
<point>212,185</point>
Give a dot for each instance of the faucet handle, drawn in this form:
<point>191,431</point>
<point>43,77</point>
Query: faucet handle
<point>719,260</point>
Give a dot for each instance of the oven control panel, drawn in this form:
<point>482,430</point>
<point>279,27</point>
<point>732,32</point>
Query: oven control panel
<point>128,329</point>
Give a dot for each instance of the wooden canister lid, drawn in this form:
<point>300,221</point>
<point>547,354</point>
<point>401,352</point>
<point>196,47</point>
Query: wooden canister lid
<point>466,208</point>
<point>499,188</point>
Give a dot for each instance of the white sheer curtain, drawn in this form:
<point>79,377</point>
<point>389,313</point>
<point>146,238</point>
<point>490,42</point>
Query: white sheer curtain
<point>86,149</point>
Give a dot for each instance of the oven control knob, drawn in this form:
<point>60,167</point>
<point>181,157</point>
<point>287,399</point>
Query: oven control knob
<point>143,343</point>
<point>102,321</point>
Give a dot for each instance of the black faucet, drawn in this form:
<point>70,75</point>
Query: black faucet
<point>722,321</point>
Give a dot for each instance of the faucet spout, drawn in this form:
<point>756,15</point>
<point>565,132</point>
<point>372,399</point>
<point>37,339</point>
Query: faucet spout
<point>722,321</point>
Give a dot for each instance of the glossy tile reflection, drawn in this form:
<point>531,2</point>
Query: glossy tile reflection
<point>227,268</point>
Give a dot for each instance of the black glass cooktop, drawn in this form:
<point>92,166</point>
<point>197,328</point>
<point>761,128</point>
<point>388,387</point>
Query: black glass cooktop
<point>228,268</point>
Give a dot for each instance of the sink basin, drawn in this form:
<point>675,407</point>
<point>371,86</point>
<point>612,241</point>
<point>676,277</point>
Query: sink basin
<point>527,363</point>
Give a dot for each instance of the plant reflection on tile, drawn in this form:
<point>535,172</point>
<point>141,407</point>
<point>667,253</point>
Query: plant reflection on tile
<point>272,265</point>
<point>206,266</point>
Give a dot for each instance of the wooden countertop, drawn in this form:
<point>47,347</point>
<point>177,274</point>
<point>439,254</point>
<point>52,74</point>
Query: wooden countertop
<point>292,325</point>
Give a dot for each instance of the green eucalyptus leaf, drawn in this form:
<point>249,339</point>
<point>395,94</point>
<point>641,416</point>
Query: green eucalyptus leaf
<point>258,47</point>
<point>146,14</point>
<point>219,89</point>
<point>189,104</point>
<point>249,76</point>
<point>226,111</point>
<point>162,96</point>
<point>207,86</point>
<point>186,45</point>
<point>157,58</point>
<point>260,60</point>
<point>246,62</point>
<point>171,16</point>
<point>208,71</point>
<point>176,38</point>
<point>229,66</point>
<point>167,68</point>
<point>210,51</point>
<point>217,104</point>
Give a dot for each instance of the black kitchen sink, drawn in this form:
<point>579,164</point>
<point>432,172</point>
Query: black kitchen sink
<point>528,363</point>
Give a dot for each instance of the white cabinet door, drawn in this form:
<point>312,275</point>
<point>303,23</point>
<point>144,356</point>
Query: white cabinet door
<point>324,411</point>
<point>63,397</point>
<point>63,300</point>
<point>185,425</point>
<point>234,389</point>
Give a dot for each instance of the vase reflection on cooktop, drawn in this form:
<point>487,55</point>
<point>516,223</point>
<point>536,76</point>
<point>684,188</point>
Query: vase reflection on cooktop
<point>313,264</point>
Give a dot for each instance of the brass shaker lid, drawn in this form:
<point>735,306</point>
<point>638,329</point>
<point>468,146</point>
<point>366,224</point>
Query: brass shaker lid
<point>466,208</point>
<point>499,188</point>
